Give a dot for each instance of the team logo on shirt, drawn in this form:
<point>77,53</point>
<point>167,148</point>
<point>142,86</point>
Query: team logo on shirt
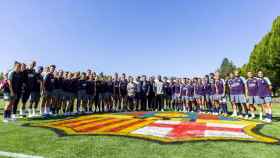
<point>165,127</point>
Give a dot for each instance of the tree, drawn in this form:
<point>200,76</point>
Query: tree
<point>266,55</point>
<point>1,76</point>
<point>226,67</point>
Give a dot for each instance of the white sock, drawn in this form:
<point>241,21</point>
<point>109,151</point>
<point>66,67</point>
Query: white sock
<point>269,111</point>
<point>261,115</point>
<point>253,114</point>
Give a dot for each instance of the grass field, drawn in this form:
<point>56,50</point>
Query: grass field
<point>46,143</point>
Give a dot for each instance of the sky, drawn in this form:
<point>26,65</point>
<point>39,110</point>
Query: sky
<point>167,37</point>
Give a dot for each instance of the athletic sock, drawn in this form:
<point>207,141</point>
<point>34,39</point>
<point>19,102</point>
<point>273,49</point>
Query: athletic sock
<point>226,108</point>
<point>223,108</point>
<point>8,113</point>
<point>5,114</point>
<point>270,116</point>
<point>214,110</point>
<point>267,115</point>
<point>252,114</point>
<point>261,115</point>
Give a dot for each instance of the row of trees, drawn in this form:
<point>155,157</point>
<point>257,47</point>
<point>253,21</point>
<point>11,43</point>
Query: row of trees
<point>265,56</point>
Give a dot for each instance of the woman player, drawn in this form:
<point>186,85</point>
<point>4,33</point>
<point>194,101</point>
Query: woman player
<point>82,94</point>
<point>4,86</point>
<point>219,93</point>
<point>91,93</point>
<point>264,94</point>
<point>190,95</point>
<point>184,98</point>
<point>199,94</point>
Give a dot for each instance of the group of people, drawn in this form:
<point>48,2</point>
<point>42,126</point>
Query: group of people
<point>48,91</point>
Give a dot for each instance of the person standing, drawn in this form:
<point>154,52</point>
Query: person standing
<point>5,88</point>
<point>138,95</point>
<point>36,85</point>
<point>251,94</point>
<point>167,94</point>
<point>15,81</point>
<point>28,76</point>
<point>199,94</point>
<point>159,94</point>
<point>145,86</point>
<point>238,95</point>
<point>264,94</point>
<point>82,94</point>
<point>131,92</point>
<point>219,93</point>
<point>116,93</point>
<point>123,91</point>
<point>91,93</point>
<point>151,93</point>
<point>48,86</point>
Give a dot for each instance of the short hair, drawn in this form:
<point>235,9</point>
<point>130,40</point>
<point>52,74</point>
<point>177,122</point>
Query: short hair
<point>40,68</point>
<point>52,66</point>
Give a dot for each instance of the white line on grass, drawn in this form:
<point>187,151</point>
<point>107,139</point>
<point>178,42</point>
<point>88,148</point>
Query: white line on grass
<point>16,155</point>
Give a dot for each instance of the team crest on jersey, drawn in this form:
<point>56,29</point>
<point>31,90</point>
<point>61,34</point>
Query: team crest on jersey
<point>165,127</point>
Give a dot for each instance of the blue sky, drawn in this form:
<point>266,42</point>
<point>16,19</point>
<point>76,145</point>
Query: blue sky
<point>168,37</point>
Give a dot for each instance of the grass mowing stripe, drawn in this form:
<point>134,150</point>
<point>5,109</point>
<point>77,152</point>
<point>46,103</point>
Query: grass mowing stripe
<point>17,155</point>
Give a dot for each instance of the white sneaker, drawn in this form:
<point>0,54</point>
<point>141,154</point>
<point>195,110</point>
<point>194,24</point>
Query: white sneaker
<point>33,112</point>
<point>252,117</point>
<point>240,116</point>
<point>20,112</point>
<point>246,117</point>
<point>14,117</point>
<point>5,120</point>
<point>267,120</point>
<point>29,116</point>
<point>29,112</point>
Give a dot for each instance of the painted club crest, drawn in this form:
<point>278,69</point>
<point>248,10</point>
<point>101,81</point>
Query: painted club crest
<point>163,126</point>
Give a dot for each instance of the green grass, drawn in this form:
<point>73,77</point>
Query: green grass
<point>44,142</point>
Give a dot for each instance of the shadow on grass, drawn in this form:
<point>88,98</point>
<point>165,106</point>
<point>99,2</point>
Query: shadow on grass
<point>276,119</point>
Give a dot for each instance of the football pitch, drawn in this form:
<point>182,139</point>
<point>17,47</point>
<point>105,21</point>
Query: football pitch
<point>15,138</point>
